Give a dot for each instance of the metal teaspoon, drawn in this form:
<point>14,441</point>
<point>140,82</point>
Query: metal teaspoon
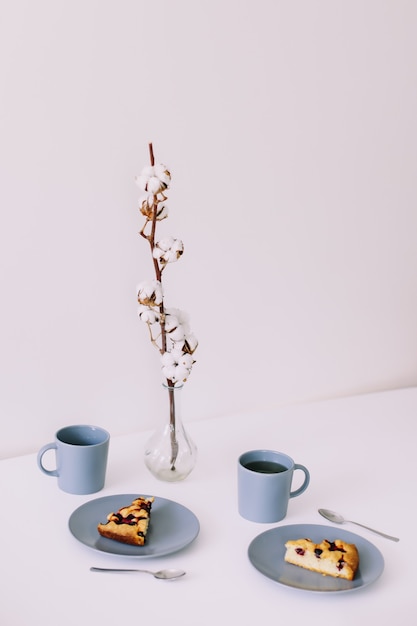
<point>163,574</point>
<point>338,519</point>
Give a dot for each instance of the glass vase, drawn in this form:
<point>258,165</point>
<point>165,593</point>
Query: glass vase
<point>170,454</point>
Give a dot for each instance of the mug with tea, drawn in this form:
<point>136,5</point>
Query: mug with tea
<point>81,458</point>
<point>264,485</point>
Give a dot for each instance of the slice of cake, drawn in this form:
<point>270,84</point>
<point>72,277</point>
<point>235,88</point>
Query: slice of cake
<point>130,524</point>
<point>330,558</point>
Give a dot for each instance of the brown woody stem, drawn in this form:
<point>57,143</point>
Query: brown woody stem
<point>151,156</point>
<point>158,274</point>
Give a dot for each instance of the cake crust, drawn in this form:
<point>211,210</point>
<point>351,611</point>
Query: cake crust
<point>130,523</point>
<point>330,558</point>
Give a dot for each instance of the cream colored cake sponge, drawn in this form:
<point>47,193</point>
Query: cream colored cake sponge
<point>330,558</point>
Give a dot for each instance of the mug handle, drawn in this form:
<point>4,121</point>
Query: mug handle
<point>306,482</point>
<point>48,446</point>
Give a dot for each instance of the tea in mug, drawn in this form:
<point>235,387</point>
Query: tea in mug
<point>265,467</point>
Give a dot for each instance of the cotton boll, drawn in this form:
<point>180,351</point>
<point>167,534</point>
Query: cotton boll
<point>191,343</point>
<point>141,182</point>
<point>150,293</point>
<point>168,250</point>
<point>176,373</point>
<point>169,358</point>
<point>150,202</point>
<point>154,179</point>
<point>146,204</point>
<point>161,172</point>
<point>169,371</point>
<point>143,178</point>
<point>147,200</point>
<point>161,211</point>
<point>175,251</point>
<point>154,185</point>
<point>186,361</point>
<point>171,322</point>
<point>181,374</point>
<point>177,334</point>
<point>149,315</point>
<point>148,171</point>
<point>181,316</point>
<point>162,246</point>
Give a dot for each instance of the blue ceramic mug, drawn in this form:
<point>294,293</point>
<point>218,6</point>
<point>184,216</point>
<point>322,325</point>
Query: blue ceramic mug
<point>264,485</point>
<point>81,458</point>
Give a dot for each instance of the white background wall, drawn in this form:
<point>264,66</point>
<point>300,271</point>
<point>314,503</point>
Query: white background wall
<point>290,131</point>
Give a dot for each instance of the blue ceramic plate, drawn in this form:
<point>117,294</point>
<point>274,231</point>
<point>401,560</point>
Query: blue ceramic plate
<point>266,553</point>
<point>172,526</point>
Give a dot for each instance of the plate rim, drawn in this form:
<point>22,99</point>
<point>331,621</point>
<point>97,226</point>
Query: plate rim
<point>132,496</point>
<point>350,535</point>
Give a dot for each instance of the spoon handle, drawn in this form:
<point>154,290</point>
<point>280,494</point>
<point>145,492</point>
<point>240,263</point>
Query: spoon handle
<point>378,532</point>
<point>109,569</point>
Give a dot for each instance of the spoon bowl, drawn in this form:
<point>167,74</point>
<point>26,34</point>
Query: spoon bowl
<point>339,519</point>
<point>332,516</point>
<point>163,574</point>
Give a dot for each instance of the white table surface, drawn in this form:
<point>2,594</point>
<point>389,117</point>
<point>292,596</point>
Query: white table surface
<point>361,452</point>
